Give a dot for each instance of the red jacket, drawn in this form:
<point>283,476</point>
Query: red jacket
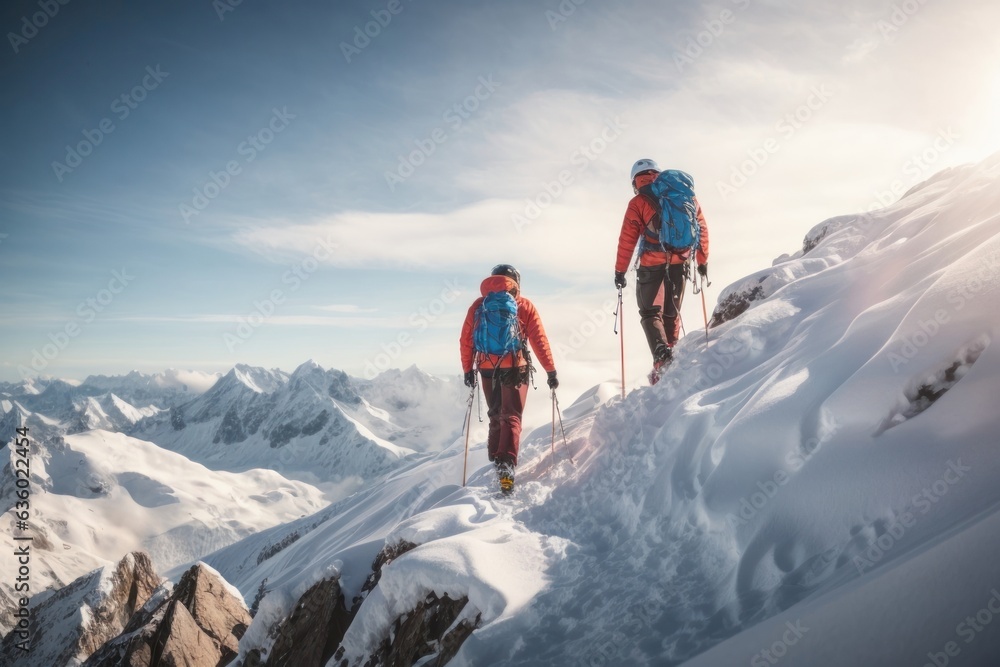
<point>638,214</point>
<point>531,327</point>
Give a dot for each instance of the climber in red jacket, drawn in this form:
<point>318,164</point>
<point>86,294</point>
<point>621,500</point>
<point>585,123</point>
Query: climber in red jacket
<point>661,277</point>
<point>505,375</point>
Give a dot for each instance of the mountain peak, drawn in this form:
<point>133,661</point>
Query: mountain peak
<point>256,378</point>
<point>306,367</point>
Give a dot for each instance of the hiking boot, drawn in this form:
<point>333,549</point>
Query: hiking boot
<point>660,362</point>
<point>505,474</point>
<point>663,356</point>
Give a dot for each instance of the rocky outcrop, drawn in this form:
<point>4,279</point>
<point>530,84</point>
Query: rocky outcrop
<point>733,305</point>
<point>75,621</point>
<point>425,631</point>
<point>430,629</point>
<point>310,635</point>
<point>389,553</point>
<point>198,625</point>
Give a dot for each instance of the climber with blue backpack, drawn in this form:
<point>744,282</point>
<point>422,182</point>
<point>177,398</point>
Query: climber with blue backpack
<point>665,220</point>
<point>495,336</point>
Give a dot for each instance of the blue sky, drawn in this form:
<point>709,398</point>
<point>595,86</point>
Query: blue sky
<point>262,185</point>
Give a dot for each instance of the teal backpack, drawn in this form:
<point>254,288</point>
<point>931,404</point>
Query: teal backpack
<point>497,329</point>
<point>672,194</point>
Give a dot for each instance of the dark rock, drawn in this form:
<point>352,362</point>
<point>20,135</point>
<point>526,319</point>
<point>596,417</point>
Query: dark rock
<point>342,389</point>
<point>736,304</point>
<point>388,554</point>
<point>314,425</point>
<point>198,625</point>
<point>80,617</point>
<point>311,634</point>
<point>422,632</point>
<point>231,429</point>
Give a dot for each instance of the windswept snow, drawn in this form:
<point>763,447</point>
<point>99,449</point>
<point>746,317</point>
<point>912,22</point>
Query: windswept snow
<point>827,460</point>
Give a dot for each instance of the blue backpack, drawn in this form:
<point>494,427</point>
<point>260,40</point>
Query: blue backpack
<point>497,329</point>
<point>672,193</point>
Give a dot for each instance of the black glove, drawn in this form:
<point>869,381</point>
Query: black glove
<point>553,382</point>
<point>620,281</point>
<point>703,270</point>
<point>470,379</point>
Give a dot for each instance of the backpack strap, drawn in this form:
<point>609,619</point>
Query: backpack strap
<point>650,239</point>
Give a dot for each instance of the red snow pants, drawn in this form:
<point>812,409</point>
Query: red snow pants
<point>505,405</point>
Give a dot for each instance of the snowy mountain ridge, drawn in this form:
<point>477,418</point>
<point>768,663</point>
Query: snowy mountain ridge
<point>269,419</point>
<point>793,463</point>
<point>814,486</point>
<point>125,493</point>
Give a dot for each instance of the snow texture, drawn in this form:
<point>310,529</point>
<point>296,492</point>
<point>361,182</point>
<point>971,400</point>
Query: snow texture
<point>815,486</point>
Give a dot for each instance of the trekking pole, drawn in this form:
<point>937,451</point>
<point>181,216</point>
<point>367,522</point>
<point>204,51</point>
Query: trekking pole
<point>620,331</point>
<point>553,423</point>
<point>468,429</point>
<point>704,308</point>
<point>555,405</point>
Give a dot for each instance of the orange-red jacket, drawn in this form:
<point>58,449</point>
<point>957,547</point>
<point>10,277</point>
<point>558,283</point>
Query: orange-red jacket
<point>637,216</point>
<point>531,328</point>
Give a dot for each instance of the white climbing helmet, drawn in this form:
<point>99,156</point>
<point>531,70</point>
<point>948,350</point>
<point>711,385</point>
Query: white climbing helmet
<point>642,165</point>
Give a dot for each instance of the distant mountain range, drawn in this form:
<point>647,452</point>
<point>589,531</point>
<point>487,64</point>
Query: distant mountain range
<point>180,469</point>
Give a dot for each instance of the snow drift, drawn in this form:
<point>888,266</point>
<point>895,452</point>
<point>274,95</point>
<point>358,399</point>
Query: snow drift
<point>826,451</point>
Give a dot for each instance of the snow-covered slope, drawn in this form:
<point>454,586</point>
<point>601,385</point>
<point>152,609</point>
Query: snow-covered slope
<point>826,461</point>
<point>99,495</point>
<point>111,413</point>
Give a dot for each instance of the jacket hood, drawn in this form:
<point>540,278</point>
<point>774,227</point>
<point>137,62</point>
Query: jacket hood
<point>497,284</point>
